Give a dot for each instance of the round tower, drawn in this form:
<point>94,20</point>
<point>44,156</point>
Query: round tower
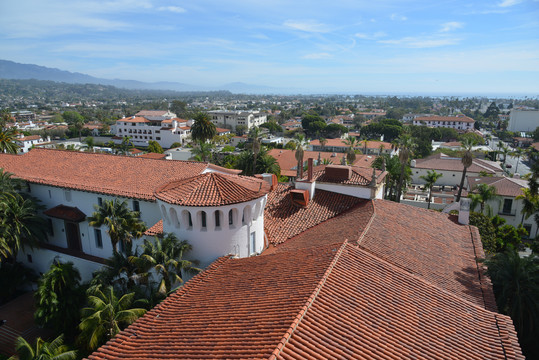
<point>218,214</point>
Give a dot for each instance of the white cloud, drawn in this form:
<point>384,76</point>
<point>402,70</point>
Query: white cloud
<point>307,26</point>
<point>450,26</point>
<point>507,3</point>
<point>317,56</point>
<point>421,42</point>
<point>398,17</point>
<point>376,35</point>
<point>174,9</point>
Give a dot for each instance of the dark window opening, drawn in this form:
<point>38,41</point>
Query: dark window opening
<point>98,238</point>
<point>217,219</point>
<point>203,219</point>
<point>507,205</point>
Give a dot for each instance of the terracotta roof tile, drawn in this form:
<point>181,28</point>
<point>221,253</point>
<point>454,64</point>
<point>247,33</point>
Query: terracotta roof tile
<point>212,189</point>
<point>102,173</point>
<point>134,119</point>
<point>445,118</point>
<point>369,309</point>
<point>444,162</point>
<point>360,176</point>
<point>66,213</point>
<point>504,186</point>
<point>156,229</point>
<point>29,138</point>
<point>153,156</point>
<point>283,219</point>
<point>426,244</point>
<point>360,145</point>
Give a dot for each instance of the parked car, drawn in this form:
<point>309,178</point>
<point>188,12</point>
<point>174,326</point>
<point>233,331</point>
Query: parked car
<point>509,166</point>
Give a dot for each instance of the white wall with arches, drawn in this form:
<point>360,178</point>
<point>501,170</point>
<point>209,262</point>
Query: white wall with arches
<point>216,231</point>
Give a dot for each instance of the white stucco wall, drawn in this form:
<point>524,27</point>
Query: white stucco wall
<point>352,190</point>
<point>211,242</point>
<point>449,178</point>
<point>523,120</point>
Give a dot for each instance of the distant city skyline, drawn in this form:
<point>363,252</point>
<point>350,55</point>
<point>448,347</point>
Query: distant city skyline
<point>385,47</point>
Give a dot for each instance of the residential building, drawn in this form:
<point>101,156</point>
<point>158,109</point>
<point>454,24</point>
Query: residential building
<point>411,117</point>
<point>459,122</point>
<point>367,147</point>
<point>505,203</point>
<point>451,169</point>
<point>163,129</point>
<point>231,119</point>
<point>25,143</point>
<point>523,120</point>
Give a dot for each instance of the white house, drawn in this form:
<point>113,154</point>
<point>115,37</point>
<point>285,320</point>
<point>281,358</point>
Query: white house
<point>27,142</point>
<point>459,122</point>
<point>451,169</point>
<point>505,204</point>
<point>231,119</point>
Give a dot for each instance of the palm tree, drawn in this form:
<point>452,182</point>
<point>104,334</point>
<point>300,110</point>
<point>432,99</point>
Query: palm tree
<point>203,129</point>
<point>323,142</point>
<point>518,154</point>
<point>59,297</point>
<point>483,194</point>
<point>406,147</point>
<point>7,138</point>
<point>516,287</point>
<point>254,136</point>
<point>54,350</point>
<point>20,226</point>
<point>202,151</point>
<point>79,125</point>
<point>90,143</point>
<point>165,256</point>
<point>466,160</point>
<point>123,224</point>
<point>430,180</point>
<point>106,316</point>
<point>267,164</point>
<point>505,151</point>
<point>301,143</point>
<point>530,203</point>
<point>8,184</point>
<point>5,117</point>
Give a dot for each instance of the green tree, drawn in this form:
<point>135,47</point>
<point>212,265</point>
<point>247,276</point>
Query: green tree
<point>178,107</point>
<point>203,151</point>
<point>430,179</point>
<point>486,230</point>
<point>71,117</point>
<point>20,226</point>
<point>59,297</point>
<point>125,145</point>
<point>406,147</point>
<point>254,138</point>
<point>90,143</point>
<point>467,158</point>
<point>267,164</point>
<point>154,147</point>
<point>165,256</point>
<point>7,141</point>
<point>530,203</point>
<point>518,154</point>
<point>482,194</point>
<point>516,287</point>
<point>123,224</point>
<point>301,143</point>
<point>106,316</point>
<point>203,129</point>
<point>42,350</point>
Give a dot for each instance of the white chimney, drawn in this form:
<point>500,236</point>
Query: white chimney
<point>464,211</point>
<point>412,163</point>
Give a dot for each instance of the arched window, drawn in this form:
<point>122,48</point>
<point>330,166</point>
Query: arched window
<point>217,215</point>
<point>203,222</point>
<point>246,219</point>
<point>174,217</point>
<point>187,220</point>
<point>165,215</point>
<point>232,218</point>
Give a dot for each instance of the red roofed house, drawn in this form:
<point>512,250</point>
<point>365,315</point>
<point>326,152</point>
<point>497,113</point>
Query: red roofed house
<point>153,125</point>
<point>25,143</point>
<point>368,147</point>
<point>459,122</point>
<point>505,203</point>
<point>322,270</point>
<point>451,168</point>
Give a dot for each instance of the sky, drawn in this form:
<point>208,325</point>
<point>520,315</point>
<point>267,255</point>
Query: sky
<point>343,46</point>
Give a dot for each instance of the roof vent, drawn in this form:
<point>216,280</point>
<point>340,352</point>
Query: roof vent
<point>338,172</point>
<point>300,197</point>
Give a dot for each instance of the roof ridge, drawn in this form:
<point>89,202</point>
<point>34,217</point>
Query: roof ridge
<point>288,334</point>
<point>217,184</point>
<point>367,228</point>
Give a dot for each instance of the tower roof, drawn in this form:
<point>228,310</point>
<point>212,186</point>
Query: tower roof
<point>212,189</point>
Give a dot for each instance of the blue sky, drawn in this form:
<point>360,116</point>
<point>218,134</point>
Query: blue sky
<point>375,46</point>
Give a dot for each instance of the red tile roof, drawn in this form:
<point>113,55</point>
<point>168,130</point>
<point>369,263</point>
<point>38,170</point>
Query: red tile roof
<point>212,189</point>
<point>153,156</point>
<point>66,213</point>
<point>133,120</point>
<point>156,229</point>
<point>102,173</point>
<point>366,308</point>
<point>504,186</point>
<point>443,162</point>
<point>29,138</point>
<point>151,113</point>
<point>283,219</point>
<point>360,145</point>
<point>287,159</point>
<point>359,176</point>
<point>427,244</point>
<point>445,118</point>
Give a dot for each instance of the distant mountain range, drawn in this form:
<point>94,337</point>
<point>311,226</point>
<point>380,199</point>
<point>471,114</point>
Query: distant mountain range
<point>13,70</point>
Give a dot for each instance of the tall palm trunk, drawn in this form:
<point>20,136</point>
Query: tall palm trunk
<point>399,185</point>
<point>430,197</point>
<point>461,183</point>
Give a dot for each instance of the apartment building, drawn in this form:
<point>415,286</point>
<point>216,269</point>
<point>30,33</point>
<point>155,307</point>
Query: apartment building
<point>231,119</point>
